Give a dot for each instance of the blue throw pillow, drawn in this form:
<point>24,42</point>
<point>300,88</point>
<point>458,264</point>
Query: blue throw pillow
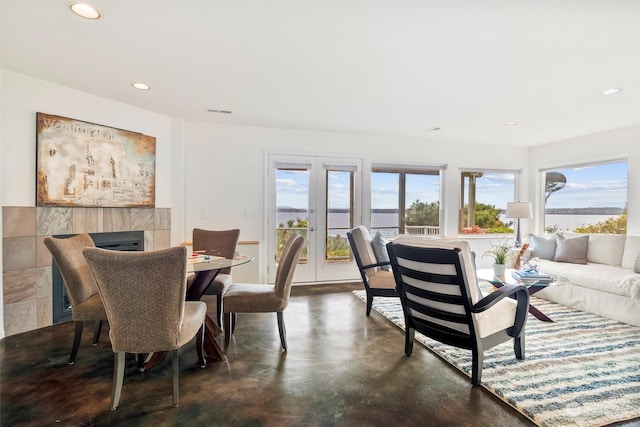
<point>542,247</point>
<point>379,245</point>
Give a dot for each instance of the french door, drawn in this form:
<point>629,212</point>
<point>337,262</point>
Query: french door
<point>319,198</point>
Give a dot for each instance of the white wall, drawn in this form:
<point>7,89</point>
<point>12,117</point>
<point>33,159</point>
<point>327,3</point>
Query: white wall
<point>225,169</point>
<point>615,144</point>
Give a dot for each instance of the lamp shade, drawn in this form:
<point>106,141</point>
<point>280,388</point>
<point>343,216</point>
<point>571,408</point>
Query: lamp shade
<point>519,210</point>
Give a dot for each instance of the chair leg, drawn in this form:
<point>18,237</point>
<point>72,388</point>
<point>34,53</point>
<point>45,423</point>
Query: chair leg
<point>518,346</point>
<point>219,310</point>
<point>118,377</point>
<point>408,340</point>
<point>76,341</point>
<point>96,332</point>
<point>234,319</point>
<point>476,367</point>
<point>174,365</point>
<point>199,348</point>
<point>282,330</point>
<point>227,331</point>
<point>369,303</point>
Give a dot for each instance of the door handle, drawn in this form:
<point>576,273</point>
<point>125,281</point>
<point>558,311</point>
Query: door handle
<point>312,229</point>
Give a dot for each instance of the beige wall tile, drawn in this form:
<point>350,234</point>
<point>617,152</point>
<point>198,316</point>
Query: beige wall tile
<point>142,219</point>
<point>18,221</point>
<point>43,256</point>
<point>44,308</point>
<point>87,220</point>
<point>44,286</point>
<point>148,241</point>
<point>162,219</point>
<point>116,219</point>
<point>20,317</point>
<point>50,221</point>
<point>19,285</point>
<point>18,252</point>
<point>161,239</point>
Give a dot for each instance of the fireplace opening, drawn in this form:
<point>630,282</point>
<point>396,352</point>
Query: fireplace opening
<point>117,241</point>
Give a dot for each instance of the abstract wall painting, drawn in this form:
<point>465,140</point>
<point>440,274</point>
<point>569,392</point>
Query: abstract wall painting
<point>84,164</point>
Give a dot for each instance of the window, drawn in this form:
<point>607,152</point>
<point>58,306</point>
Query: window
<point>484,195</point>
<point>589,198</point>
<point>406,200</point>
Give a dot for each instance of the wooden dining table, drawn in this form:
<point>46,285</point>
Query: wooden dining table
<point>206,268</point>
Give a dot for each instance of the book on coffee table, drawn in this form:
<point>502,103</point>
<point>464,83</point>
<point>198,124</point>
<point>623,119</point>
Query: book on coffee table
<point>530,277</point>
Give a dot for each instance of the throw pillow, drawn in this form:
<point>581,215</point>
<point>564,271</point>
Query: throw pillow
<point>636,268</point>
<point>379,244</point>
<point>571,250</point>
<point>542,247</point>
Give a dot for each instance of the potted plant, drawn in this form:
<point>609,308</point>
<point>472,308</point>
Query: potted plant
<point>500,253</point>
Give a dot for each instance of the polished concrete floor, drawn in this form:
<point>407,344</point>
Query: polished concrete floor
<point>342,369</point>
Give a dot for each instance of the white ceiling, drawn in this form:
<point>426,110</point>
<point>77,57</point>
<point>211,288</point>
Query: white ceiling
<point>393,67</point>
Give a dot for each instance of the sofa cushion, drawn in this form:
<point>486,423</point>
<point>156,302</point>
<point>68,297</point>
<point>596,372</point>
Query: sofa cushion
<point>542,247</point>
<point>571,250</point>
<point>631,251</point>
<point>600,277</point>
<point>636,268</point>
<point>379,244</point>
<point>606,248</point>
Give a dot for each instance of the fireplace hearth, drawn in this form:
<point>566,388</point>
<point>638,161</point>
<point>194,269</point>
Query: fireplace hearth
<point>117,240</point>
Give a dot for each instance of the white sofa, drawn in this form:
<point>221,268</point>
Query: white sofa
<point>606,284</point>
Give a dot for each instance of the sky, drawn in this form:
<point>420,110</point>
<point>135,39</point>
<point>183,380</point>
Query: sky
<point>602,185</point>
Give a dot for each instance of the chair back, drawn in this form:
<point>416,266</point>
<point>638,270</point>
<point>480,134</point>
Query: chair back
<point>437,286</point>
<point>360,242</point>
<point>75,272</point>
<point>143,295</point>
<point>287,265</point>
<point>216,242</point>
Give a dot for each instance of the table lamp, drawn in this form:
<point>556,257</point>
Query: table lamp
<point>519,210</point>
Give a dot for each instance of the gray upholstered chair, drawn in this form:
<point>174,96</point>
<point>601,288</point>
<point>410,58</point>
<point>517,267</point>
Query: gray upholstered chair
<point>219,243</point>
<point>86,304</point>
<point>441,299</point>
<point>377,281</point>
<point>263,298</point>
<point>144,297</point>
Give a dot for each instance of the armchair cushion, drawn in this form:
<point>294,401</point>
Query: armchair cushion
<point>383,279</point>
<point>379,245</point>
<point>362,239</point>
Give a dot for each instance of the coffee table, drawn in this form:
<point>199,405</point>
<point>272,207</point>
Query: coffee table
<point>487,275</point>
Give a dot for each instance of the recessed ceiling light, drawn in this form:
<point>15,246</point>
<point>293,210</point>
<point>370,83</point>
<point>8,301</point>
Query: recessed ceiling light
<point>140,86</point>
<point>85,11</point>
<point>511,123</point>
<point>611,91</point>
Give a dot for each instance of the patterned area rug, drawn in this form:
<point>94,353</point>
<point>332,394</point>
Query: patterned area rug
<point>581,370</point>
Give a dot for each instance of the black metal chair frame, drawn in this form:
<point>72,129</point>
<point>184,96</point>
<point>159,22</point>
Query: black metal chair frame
<point>371,292</point>
<point>471,341</point>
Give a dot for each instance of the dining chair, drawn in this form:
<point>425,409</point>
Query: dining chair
<point>264,298</point>
<point>144,297</point>
<point>86,304</point>
<point>441,299</point>
<point>217,243</point>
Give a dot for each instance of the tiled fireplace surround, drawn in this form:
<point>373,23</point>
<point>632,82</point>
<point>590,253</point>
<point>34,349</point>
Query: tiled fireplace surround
<point>26,261</point>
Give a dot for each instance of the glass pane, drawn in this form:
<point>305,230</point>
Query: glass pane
<point>385,202</point>
<point>587,199</point>
<point>292,207</point>
<point>339,215</point>
<point>485,198</point>
<point>422,204</point>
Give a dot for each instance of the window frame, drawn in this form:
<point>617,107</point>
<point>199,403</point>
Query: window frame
<point>484,171</point>
<point>403,170</point>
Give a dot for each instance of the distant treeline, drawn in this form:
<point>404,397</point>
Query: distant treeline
<point>286,209</point>
<point>585,211</point>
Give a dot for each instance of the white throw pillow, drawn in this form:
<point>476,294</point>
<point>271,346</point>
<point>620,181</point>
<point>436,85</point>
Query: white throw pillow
<point>631,251</point>
<point>606,248</point>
